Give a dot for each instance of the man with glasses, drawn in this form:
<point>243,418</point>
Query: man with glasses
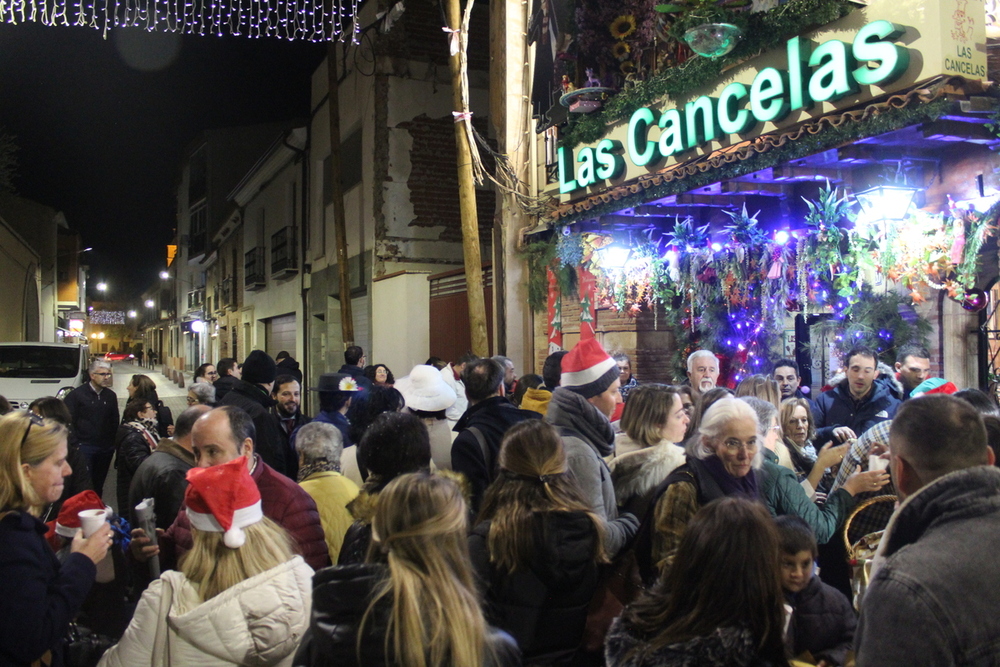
<point>93,408</point>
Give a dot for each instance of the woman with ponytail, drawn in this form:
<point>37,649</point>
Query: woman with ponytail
<point>537,547</point>
<point>413,602</point>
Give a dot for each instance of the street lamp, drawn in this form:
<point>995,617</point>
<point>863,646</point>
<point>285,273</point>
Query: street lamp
<point>164,275</point>
<point>102,287</point>
<point>132,313</point>
<point>150,303</point>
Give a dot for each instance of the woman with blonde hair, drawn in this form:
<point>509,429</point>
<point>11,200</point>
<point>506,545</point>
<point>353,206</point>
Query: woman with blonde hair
<point>241,596</point>
<point>537,547</point>
<point>413,602</point>
<point>38,595</point>
<point>799,430</point>
<point>654,422</point>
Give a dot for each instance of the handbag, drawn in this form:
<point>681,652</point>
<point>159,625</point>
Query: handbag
<point>84,647</point>
<point>619,585</point>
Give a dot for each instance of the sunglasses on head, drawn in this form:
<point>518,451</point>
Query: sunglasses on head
<point>33,420</point>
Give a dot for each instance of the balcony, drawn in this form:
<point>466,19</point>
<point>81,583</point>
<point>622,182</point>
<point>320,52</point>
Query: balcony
<point>253,265</point>
<point>225,296</point>
<point>196,299</point>
<point>283,253</point>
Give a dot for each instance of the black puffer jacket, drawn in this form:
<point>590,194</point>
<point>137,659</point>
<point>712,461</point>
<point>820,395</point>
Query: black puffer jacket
<point>257,403</point>
<point>223,386</point>
<point>341,595</point>
<point>544,607</point>
<point>131,449</point>
<point>823,622</point>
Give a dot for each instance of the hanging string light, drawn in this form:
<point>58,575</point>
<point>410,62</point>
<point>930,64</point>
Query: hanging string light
<point>294,20</point>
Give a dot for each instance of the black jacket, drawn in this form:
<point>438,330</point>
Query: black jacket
<point>823,622</point>
<point>162,477</point>
<point>257,403</point>
<point>131,449</point>
<point>223,386</point>
<point>341,595</point>
<point>492,417</point>
<point>837,408</point>
<point>77,482</point>
<point>544,607</point>
<point>38,596</point>
<point>95,416</point>
<point>291,456</point>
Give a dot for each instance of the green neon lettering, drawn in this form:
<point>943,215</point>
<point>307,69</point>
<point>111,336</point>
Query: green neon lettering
<point>767,95</point>
<point>611,164</point>
<point>832,78</point>
<point>586,174</point>
<point>672,137</point>
<point>874,43</point>
<point>798,96</point>
<point>641,151</point>
<point>704,106</point>
<point>565,159</point>
<point>733,119</point>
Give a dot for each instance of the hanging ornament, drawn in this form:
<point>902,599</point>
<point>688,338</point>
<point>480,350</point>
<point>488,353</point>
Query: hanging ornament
<point>975,300</point>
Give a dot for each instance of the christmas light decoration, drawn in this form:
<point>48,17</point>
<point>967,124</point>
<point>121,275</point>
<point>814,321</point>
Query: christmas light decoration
<point>312,20</point>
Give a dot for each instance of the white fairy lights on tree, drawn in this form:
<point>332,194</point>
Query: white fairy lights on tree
<point>313,20</point>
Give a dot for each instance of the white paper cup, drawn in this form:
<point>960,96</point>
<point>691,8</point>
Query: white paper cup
<point>91,520</point>
<point>877,463</point>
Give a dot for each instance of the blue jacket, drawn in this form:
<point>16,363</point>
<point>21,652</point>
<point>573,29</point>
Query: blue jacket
<point>836,408</point>
<point>38,597</point>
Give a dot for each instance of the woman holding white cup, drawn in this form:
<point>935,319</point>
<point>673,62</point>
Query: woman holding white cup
<point>38,596</point>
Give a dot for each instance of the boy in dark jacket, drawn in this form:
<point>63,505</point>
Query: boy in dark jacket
<point>823,620</point>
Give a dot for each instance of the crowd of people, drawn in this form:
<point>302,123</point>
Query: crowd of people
<point>461,515</point>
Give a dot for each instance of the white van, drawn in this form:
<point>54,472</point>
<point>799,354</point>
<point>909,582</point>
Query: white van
<point>33,370</point>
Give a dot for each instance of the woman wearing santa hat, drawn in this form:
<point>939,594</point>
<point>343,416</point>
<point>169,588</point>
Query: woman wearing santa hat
<point>38,595</point>
<point>241,596</point>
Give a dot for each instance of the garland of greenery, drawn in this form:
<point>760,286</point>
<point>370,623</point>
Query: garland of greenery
<point>883,322</point>
<point>886,120</point>
<point>761,31</point>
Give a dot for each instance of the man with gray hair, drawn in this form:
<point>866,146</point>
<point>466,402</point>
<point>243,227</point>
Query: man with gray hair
<point>319,447</point>
<point>93,408</point>
<point>933,596</point>
<point>702,371</point>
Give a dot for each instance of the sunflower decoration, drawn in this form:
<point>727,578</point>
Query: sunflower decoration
<point>627,67</point>
<point>621,50</point>
<point>623,26</point>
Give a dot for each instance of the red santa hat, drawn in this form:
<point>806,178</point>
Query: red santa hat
<point>68,521</point>
<point>588,370</point>
<point>223,499</point>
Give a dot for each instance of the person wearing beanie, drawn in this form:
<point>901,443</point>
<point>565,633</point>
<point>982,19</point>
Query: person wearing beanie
<point>580,409</point>
<point>252,393</point>
<point>223,606</point>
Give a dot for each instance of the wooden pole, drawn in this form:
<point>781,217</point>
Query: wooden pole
<point>337,191</point>
<point>467,200</point>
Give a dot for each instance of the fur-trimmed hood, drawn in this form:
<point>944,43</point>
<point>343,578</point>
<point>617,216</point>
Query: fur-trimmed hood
<point>362,508</point>
<point>638,473</point>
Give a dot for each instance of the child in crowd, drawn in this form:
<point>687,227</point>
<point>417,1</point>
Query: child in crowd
<point>823,620</point>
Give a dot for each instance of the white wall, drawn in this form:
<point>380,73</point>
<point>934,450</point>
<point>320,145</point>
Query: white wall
<point>401,320</point>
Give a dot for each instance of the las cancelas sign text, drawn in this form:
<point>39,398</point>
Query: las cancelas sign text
<point>826,73</point>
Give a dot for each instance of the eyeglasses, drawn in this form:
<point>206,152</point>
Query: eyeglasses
<point>191,401</point>
<point>33,419</point>
<point>733,445</point>
<point>103,375</point>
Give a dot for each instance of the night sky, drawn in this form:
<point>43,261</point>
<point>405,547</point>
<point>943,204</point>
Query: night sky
<point>101,125</point>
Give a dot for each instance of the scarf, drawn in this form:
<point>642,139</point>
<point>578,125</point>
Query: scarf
<point>319,465</point>
<point>569,410</point>
<point>731,486</point>
<point>148,429</point>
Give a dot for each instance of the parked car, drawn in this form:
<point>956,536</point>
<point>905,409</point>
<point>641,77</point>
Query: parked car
<point>118,356</point>
<point>32,370</point>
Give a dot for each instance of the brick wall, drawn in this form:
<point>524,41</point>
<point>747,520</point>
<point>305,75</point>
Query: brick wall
<point>418,35</point>
<point>434,178</point>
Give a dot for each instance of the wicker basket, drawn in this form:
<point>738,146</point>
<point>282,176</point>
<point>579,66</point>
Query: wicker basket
<point>861,547</point>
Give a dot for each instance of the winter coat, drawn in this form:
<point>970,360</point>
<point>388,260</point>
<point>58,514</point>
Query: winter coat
<point>626,445</point>
<point>336,419</point>
<point>837,408</point>
<point>94,416</point>
<point>822,622</point>
<point>543,606</point>
<point>440,434</point>
<point>934,599</point>
<point>38,596</point>
<point>332,492</point>
<point>282,501</point>
<point>536,400</point>
<point>288,366</point>
<point>257,403</point>
<point>587,437</point>
<point>781,492</point>
<point>492,417</point>
<point>162,477</point>
<point>133,445</point>
<point>259,621</point>
<point>341,596</point>
<point>726,647</point>
<point>461,404</point>
<point>637,474</point>
<point>77,482</point>
<point>287,444</point>
<point>359,534</point>
<point>223,386</point>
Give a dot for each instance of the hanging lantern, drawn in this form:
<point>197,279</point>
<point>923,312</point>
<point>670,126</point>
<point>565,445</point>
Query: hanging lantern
<point>712,40</point>
<point>886,202</point>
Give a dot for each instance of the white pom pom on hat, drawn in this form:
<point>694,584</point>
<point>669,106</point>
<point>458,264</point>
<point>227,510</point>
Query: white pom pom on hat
<point>223,499</point>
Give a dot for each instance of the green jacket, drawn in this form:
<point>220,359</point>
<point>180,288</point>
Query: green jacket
<point>781,491</point>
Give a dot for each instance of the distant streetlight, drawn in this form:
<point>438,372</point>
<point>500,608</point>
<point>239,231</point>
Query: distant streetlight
<point>149,303</point>
<point>164,275</point>
<point>132,313</point>
<point>102,287</point>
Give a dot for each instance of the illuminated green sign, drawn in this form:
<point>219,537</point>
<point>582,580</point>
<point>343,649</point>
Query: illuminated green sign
<point>833,70</point>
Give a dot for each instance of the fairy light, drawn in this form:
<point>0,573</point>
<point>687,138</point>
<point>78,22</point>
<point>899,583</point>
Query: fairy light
<point>302,20</point>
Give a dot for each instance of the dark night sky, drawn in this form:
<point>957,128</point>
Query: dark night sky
<point>101,140</point>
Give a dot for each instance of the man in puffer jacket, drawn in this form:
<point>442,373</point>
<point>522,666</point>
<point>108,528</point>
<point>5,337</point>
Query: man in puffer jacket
<point>220,436</point>
<point>857,403</point>
<point>580,410</point>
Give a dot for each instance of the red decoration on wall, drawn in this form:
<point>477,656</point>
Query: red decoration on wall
<point>554,314</point>
<point>588,305</point>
